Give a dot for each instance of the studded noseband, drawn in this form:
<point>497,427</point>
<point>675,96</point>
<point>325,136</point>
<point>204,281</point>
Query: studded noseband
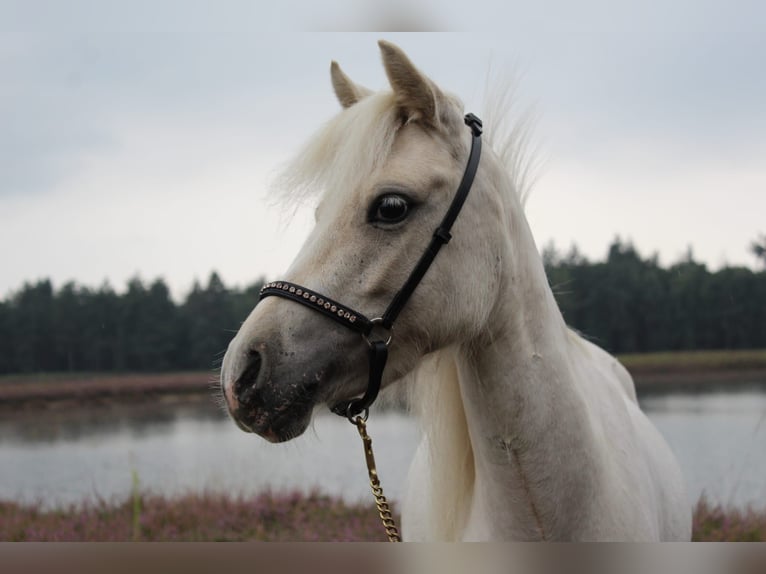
<point>351,319</point>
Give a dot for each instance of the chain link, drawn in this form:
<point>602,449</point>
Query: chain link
<point>384,510</point>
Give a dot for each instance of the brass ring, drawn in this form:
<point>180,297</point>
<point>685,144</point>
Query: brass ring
<point>363,415</point>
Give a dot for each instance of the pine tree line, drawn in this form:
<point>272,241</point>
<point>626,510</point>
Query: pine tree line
<point>625,304</point>
<point>630,304</point>
<point>76,329</point>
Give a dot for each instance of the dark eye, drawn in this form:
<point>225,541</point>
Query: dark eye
<point>390,208</point>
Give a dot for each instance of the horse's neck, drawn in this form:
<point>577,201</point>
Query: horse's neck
<point>527,422</point>
<point>517,374</point>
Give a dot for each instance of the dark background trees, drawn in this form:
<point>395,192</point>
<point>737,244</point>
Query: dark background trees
<point>78,329</point>
<point>630,304</point>
<point>626,304</point>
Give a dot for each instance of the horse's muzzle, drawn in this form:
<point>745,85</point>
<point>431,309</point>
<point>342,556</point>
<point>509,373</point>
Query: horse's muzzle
<point>277,412</point>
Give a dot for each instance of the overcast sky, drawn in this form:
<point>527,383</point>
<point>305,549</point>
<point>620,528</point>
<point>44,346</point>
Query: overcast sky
<point>140,137</point>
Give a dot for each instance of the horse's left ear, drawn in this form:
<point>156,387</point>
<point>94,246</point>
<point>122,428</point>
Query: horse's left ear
<point>418,96</point>
<point>347,92</point>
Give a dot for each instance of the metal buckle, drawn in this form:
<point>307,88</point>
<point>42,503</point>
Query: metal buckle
<point>474,123</point>
<point>389,330</point>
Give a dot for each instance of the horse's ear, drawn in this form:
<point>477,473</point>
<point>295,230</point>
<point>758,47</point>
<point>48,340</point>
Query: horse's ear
<point>415,93</point>
<point>348,92</point>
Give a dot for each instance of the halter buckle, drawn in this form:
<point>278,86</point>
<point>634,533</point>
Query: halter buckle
<point>379,321</point>
<point>474,123</point>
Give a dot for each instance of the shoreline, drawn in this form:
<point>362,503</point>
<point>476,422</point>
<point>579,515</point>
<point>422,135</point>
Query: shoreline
<point>652,373</point>
<point>696,381</point>
<point>31,389</point>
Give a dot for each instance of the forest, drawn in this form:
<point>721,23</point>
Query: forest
<point>626,303</point>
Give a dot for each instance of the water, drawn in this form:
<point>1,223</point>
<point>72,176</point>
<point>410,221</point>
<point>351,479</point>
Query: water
<point>63,456</point>
<point>720,441</point>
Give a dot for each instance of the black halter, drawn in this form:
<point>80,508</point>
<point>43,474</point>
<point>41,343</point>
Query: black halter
<point>356,321</point>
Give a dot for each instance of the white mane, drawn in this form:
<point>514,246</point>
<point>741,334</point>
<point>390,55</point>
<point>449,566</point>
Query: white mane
<point>344,152</point>
<point>434,397</point>
<point>509,132</point>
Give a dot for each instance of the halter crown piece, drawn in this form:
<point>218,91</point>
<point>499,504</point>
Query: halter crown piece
<point>356,321</point>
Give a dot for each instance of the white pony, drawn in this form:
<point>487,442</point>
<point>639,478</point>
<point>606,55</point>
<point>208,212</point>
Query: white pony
<point>530,431</point>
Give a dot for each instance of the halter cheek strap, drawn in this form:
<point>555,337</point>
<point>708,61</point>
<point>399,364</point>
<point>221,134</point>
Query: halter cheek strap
<point>351,319</point>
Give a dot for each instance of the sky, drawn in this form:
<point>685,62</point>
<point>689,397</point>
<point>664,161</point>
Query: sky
<point>139,138</point>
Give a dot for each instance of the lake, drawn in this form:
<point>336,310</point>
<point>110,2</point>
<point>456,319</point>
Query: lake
<point>66,455</point>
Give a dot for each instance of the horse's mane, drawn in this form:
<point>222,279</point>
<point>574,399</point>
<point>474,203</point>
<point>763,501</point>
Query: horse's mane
<point>434,397</point>
<point>344,152</point>
<point>509,132</point>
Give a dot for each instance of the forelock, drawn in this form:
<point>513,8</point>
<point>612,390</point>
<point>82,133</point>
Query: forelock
<point>346,151</point>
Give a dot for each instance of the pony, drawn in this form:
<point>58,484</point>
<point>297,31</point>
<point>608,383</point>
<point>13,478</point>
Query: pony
<point>530,432</point>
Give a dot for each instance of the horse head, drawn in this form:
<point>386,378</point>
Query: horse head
<point>385,170</point>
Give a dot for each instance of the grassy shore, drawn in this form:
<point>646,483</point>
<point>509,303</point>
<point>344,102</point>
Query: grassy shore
<point>695,361</point>
<point>46,387</point>
<point>651,371</point>
<point>292,517</point>
<point>696,370</point>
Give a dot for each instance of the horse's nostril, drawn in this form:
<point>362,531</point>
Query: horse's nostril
<point>245,385</point>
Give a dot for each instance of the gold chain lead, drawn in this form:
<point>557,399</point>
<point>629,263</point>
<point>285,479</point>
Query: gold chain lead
<point>377,490</point>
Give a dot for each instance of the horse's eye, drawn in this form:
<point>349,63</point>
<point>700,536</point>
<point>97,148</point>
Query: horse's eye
<point>389,209</point>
